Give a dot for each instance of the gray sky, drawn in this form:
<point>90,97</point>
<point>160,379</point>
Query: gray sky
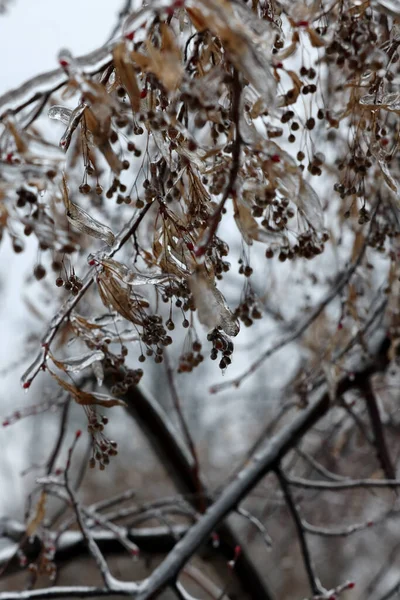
<point>32,32</point>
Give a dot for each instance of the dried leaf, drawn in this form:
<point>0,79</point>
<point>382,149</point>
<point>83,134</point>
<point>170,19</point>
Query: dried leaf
<point>248,46</point>
<point>87,398</point>
<point>133,278</point>
<point>19,137</point>
<point>39,515</point>
<point>291,98</point>
<point>315,40</point>
<point>390,102</point>
<point>78,363</point>
<point>126,74</point>
<point>246,223</point>
<point>82,221</point>
<point>309,205</point>
<point>117,295</point>
<point>289,50</point>
<point>211,307</point>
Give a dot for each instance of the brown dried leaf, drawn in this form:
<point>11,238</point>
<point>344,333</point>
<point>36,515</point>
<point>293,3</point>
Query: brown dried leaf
<point>18,136</point>
<point>87,398</point>
<point>246,223</point>
<point>309,205</point>
<point>248,48</point>
<point>126,74</point>
<point>291,49</point>
<point>165,66</point>
<point>315,40</point>
<point>82,221</point>
<point>77,363</point>
<point>291,98</point>
<point>119,296</point>
<point>39,515</point>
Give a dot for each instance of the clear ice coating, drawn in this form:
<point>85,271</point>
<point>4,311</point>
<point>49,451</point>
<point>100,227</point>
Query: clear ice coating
<point>76,364</point>
<point>82,221</point>
<point>211,307</point>
<point>51,80</point>
<point>68,117</point>
<point>60,113</point>
<point>133,278</point>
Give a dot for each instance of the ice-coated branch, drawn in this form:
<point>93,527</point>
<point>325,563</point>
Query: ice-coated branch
<point>68,306</point>
<point>262,462</point>
<point>299,328</point>
<point>73,591</point>
<point>338,486</point>
<point>167,444</point>
<point>315,584</point>
<point>380,441</point>
<point>230,189</point>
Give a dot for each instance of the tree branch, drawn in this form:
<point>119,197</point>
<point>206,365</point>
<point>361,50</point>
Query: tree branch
<point>297,329</point>
<point>68,306</point>
<point>261,463</point>
<point>315,584</point>
<point>377,428</point>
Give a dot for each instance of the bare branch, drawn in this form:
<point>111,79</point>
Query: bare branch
<point>377,427</point>
<point>68,306</point>
<point>315,584</point>
<point>337,486</point>
<point>298,329</point>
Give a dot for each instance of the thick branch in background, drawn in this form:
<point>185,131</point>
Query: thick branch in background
<point>213,65</point>
<point>380,441</point>
<point>263,462</point>
<point>173,454</point>
<point>315,584</point>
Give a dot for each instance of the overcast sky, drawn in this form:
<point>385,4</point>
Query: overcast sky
<point>32,32</point>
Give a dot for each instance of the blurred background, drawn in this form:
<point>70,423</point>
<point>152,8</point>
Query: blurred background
<point>224,426</point>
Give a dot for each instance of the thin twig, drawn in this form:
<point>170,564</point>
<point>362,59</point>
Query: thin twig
<point>298,330</point>
<point>377,428</point>
<point>60,437</point>
<point>320,468</point>
<point>337,486</point>
<point>68,306</point>
<point>230,189</point>
<point>186,431</point>
<point>91,544</point>
<point>314,582</point>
